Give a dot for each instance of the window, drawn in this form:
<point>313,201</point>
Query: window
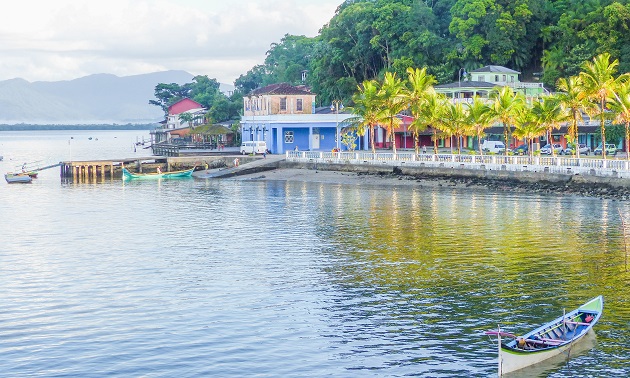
<point>512,79</point>
<point>496,78</point>
<point>298,105</point>
<point>482,78</point>
<point>504,78</point>
<point>288,137</point>
<point>283,104</point>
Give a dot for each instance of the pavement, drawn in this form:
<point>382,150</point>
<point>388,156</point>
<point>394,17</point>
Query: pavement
<point>259,165</point>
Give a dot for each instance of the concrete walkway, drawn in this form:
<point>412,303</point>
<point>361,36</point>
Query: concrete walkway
<point>259,165</point>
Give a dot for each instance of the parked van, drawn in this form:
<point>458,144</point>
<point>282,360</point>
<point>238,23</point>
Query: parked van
<point>493,146</point>
<point>255,147</point>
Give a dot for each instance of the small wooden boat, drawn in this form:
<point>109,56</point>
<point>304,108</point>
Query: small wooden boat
<point>158,175</point>
<point>548,340</point>
<point>17,178</point>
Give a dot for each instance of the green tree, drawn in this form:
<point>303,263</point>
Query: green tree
<point>573,99</point>
<point>419,85</point>
<point>432,114</point>
<point>168,94</point>
<point>479,118</point>
<point>505,107</point>
<point>366,108</point>
<point>620,106</point>
<point>392,102</point>
<point>549,113</point>
<point>529,127</point>
<point>599,83</point>
<point>186,118</point>
<point>455,122</point>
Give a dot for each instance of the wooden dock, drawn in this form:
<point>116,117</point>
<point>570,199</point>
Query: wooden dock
<point>98,170</point>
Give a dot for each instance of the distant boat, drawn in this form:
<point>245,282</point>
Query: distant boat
<point>17,178</point>
<point>548,340</point>
<point>158,175</point>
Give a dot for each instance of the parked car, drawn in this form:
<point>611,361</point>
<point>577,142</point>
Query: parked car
<point>546,150</point>
<point>523,149</point>
<point>493,146</point>
<point>611,149</point>
<point>254,147</point>
<point>570,150</point>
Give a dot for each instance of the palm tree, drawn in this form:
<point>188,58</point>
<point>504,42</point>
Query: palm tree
<point>529,127</point>
<point>420,84</point>
<point>431,114</point>
<point>549,113</point>
<point>505,106</point>
<point>599,83</point>
<point>455,122</point>
<point>479,118</point>
<point>621,108</point>
<point>573,99</point>
<point>391,104</point>
<point>366,107</point>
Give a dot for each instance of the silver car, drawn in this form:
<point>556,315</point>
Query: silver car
<point>546,150</point>
<point>584,150</point>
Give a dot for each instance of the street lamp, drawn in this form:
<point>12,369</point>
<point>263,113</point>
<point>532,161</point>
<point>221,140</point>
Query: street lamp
<point>335,107</point>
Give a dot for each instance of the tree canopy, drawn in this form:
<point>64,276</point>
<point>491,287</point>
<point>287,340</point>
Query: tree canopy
<point>546,39</point>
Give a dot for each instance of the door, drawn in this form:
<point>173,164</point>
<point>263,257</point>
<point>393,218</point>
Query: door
<point>316,141</point>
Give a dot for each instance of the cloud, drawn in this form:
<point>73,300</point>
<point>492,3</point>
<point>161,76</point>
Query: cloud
<point>65,39</point>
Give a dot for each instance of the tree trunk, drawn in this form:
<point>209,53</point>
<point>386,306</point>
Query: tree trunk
<point>392,135</point>
<point>479,142</point>
<point>416,147</point>
<point>602,127</point>
<point>435,151</point>
<point>372,139</point>
<point>505,137</point>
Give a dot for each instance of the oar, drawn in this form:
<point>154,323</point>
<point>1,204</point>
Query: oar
<point>501,333</point>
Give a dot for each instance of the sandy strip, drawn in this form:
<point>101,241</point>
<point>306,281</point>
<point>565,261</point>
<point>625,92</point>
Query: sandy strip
<point>346,178</point>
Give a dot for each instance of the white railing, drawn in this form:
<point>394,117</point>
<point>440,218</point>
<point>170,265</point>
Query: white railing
<point>562,165</point>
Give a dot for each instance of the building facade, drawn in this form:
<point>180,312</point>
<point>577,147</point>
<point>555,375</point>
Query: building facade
<point>286,118</point>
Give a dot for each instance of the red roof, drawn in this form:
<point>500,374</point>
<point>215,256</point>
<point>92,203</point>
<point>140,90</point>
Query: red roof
<point>183,105</point>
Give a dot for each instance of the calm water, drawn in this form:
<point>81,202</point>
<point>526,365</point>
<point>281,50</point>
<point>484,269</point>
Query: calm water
<point>247,278</point>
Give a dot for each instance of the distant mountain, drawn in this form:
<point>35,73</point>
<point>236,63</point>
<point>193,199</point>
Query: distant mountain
<point>94,99</point>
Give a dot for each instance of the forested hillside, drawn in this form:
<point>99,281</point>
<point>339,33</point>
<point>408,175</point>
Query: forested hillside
<point>544,39</point>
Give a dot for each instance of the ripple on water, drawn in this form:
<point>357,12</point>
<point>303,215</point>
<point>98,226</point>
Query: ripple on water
<point>238,278</point>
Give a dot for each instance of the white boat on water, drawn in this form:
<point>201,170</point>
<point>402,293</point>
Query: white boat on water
<point>17,178</point>
<point>548,340</point>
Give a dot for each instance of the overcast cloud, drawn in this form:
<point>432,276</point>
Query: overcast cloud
<point>53,40</point>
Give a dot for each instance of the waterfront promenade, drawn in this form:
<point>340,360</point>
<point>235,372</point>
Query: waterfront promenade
<point>483,164</point>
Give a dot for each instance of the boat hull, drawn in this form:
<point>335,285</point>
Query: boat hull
<point>550,339</point>
<point>154,176</point>
<point>17,178</point>
<point>511,361</point>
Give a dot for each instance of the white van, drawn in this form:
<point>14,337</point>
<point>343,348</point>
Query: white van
<point>493,146</point>
<point>255,147</point>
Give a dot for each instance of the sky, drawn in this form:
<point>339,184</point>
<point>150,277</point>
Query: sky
<point>51,40</point>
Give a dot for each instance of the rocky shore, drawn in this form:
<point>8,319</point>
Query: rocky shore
<point>397,178</point>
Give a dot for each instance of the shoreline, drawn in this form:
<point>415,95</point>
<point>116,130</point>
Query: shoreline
<point>394,178</point>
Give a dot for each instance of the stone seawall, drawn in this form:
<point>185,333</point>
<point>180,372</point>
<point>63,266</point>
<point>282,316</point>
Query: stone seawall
<point>538,182</point>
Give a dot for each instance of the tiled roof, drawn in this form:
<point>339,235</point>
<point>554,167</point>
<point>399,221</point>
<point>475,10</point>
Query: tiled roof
<point>282,89</point>
<point>495,69</point>
<point>467,84</point>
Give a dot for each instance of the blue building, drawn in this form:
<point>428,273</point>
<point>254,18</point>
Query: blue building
<point>285,117</point>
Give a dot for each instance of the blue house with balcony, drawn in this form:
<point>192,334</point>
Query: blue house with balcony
<point>286,118</point>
